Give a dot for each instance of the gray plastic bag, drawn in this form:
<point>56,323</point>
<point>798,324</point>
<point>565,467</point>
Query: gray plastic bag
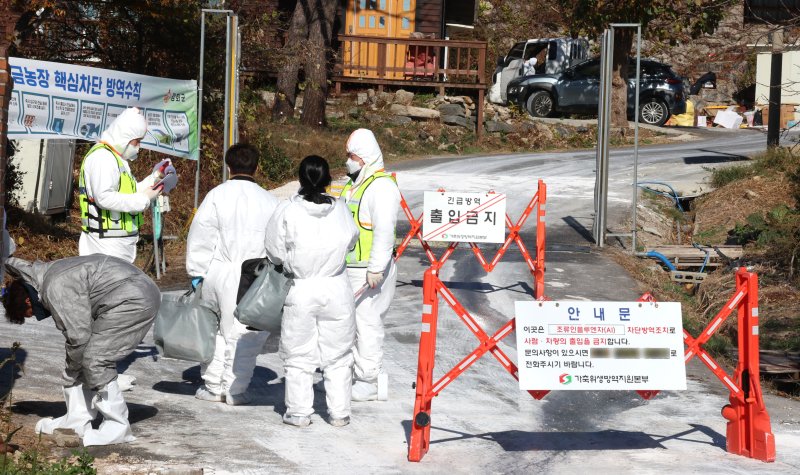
<point>186,327</point>
<point>261,307</point>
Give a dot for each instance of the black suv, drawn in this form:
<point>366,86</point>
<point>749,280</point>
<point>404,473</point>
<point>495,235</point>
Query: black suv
<point>576,90</point>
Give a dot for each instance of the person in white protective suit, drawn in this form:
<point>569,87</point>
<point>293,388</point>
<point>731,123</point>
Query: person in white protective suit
<point>104,306</point>
<point>228,229</point>
<point>374,201</point>
<point>111,200</point>
<point>310,234</point>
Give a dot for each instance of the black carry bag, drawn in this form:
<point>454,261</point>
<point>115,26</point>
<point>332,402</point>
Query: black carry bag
<point>262,292</point>
<point>186,327</point>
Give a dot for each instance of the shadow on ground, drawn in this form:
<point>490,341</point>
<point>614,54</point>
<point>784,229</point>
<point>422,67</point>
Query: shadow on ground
<point>136,412</point>
<point>522,441</point>
<point>11,369</point>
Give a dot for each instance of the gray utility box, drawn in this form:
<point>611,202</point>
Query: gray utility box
<point>47,179</point>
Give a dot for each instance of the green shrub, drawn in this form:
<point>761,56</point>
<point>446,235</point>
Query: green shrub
<point>777,225</point>
<point>722,176</point>
<point>14,175</point>
<point>31,462</point>
<point>273,161</point>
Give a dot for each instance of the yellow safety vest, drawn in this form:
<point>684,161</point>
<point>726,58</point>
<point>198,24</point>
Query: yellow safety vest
<point>108,223</point>
<point>359,256</point>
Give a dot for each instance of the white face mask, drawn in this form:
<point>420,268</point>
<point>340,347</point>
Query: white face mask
<point>130,152</point>
<point>352,166</point>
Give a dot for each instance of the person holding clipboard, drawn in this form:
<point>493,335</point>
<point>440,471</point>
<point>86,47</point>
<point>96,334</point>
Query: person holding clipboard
<point>111,200</point>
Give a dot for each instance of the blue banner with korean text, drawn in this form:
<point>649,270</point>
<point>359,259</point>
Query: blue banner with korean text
<point>55,100</point>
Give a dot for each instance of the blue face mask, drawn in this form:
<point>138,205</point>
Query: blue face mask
<point>38,309</point>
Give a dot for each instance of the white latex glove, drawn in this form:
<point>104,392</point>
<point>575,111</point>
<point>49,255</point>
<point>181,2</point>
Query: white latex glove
<point>150,193</point>
<point>374,279</point>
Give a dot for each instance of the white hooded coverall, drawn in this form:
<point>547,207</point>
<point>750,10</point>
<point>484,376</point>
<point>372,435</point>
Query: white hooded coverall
<point>380,205</point>
<point>101,175</point>
<point>318,328</point>
<point>229,228</point>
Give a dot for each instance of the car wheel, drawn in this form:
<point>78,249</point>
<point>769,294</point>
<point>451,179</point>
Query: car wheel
<point>654,112</point>
<point>540,104</point>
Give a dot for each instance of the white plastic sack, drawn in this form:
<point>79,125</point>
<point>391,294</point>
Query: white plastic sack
<point>261,307</point>
<point>186,327</point>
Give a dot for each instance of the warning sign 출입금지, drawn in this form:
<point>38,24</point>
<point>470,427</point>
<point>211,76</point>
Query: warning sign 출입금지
<point>570,345</point>
<point>464,217</point>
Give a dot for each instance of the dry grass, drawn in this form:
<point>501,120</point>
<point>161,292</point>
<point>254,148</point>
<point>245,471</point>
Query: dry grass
<point>715,215</point>
<point>721,210</point>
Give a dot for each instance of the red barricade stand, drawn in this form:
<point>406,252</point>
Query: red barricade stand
<point>433,287</point>
<point>749,430</point>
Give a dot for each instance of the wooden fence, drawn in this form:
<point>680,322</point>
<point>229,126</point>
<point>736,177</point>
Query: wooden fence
<point>413,62</point>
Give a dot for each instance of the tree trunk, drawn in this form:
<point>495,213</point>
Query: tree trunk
<point>319,38</point>
<point>292,53</point>
<point>9,15</point>
<point>623,40</point>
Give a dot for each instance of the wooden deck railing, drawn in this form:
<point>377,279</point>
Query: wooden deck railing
<point>387,61</point>
<point>413,62</point>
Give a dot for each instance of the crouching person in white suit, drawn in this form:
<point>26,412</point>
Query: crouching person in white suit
<point>104,306</point>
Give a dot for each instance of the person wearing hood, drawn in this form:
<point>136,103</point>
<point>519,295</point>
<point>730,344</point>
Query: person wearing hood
<point>111,200</point>
<point>228,229</point>
<point>104,306</point>
<point>374,201</point>
<point>310,235</point>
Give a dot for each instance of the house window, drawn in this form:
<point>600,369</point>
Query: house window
<point>363,4</point>
<point>372,22</point>
<point>381,22</point>
<point>406,5</point>
<point>361,21</point>
<point>383,5</point>
<point>406,24</point>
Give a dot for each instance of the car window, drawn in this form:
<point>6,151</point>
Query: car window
<point>552,52</point>
<point>588,69</point>
<point>574,51</point>
<point>650,70</point>
<point>533,49</point>
<point>516,50</point>
<point>632,70</point>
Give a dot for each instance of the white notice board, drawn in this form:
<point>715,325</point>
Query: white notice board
<point>464,217</point>
<point>600,345</point>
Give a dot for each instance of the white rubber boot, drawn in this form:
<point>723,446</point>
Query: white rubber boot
<point>79,416</point>
<point>364,391</point>
<point>383,386</point>
<point>126,382</point>
<point>115,428</point>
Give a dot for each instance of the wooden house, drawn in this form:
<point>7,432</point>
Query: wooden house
<point>401,19</point>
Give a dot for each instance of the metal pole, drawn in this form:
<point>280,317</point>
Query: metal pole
<point>200,109</point>
<point>237,82</point>
<point>156,257</point>
<point>225,139</point>
<point>606,132</point>
<point>636,138</point>
<point>598,152</point>
<point>775,79</point>
<point>603,133</point>
<point>228,14</point>
<point>603,124</point>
